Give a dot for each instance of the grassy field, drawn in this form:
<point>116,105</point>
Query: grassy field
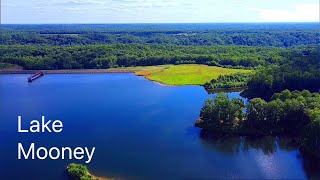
<point>183,74</point>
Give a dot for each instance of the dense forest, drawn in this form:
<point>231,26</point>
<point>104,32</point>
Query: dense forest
<point>285,55</point>
<point>300,70</point>
<point>288,113</point>
<point>297,69</point>
<point>229,81</point>
<point>260,34</point>
<point>114,45</point>
<point>106,56</point>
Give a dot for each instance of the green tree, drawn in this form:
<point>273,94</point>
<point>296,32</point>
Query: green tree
<point>274,113</point>
<point>256,113</point>
<point>78,172</point>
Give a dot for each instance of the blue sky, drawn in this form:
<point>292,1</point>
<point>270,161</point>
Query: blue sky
<point>156,11</point>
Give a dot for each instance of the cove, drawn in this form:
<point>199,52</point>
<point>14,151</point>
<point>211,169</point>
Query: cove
<point>141,131</point>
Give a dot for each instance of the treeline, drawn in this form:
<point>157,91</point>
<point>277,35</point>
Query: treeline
<point>107,56</point>
<point>5,65</point>
<point>288,113</point>
<point>298,71</point>
<point>228,81</point>
<point>280,35</point>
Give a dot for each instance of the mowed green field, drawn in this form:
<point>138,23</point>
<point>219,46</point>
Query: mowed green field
<point>191,74</point>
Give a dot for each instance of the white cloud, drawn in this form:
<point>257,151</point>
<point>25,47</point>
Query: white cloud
<point>119,11</point>
<point>301,13</point>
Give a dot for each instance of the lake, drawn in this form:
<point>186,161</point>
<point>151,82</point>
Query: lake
<point>141,130</point>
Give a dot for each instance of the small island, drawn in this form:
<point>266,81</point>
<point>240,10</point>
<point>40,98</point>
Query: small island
<point>81,172</point>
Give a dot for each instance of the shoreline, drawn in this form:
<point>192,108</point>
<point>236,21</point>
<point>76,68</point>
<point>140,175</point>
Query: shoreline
<point>163,84</point>
<point>19,70</point>
<point>148,72</point>
<point>67,71</point>
<point>232,89</point>
<point>80,71</point>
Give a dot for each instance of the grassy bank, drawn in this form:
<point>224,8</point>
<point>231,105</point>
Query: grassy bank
<point>190,74</point>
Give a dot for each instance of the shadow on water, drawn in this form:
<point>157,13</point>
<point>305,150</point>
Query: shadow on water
<point>268,145</point>
<point>311,166</point>
<point>233,145</point>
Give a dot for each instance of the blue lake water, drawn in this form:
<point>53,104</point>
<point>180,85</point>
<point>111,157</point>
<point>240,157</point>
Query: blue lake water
<point>141,130</point>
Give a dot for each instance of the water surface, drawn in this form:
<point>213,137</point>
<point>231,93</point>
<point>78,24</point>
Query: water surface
<point>141,130</point>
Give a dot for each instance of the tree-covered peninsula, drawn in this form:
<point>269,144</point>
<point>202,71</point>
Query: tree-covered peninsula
<point>294,114</point>
<point>81,172</point>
